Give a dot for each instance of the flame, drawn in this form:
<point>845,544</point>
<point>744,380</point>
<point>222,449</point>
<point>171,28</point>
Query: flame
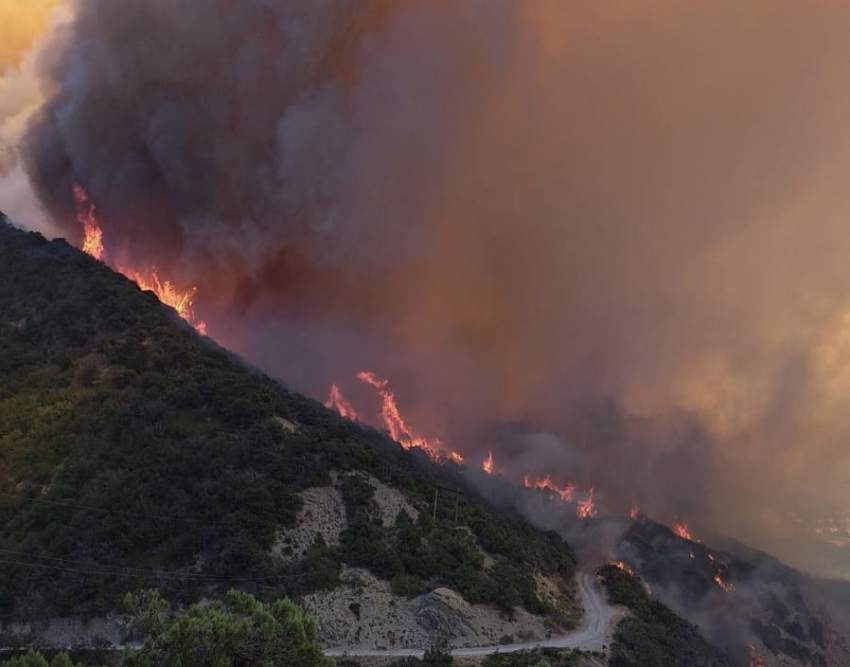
<point>567,493</point>
<point>620,565</point>
<point>149,280</point>
<point>87,217</point>
<point>718,579</point>
<point>692,555</point>
<point>487,466</point>
<point>586,508</point>
<point>683,531</point>
<point>755,659</point>
<point>336,401</point>
<point>635,512</point>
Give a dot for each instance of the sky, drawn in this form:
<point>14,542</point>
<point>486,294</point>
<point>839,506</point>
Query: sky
<point>605,240</point>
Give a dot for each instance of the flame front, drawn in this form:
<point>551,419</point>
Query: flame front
<point>336,401</point>
<point>718,579</point>
<point>683,531</point>
<point>487,466</point>
<point>585,508</point>
<point>86,216</point>
<point>149,280</point>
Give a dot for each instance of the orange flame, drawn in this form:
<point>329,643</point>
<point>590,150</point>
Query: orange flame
<point>620,565</point>
<point>336,401</point>
<point>718,579</point>
<point>567,493</point>
<point>395,424</point>
<point>87,217</point>
<point>635,512</point>
<point>683,531</point>
<point>487,466</point>
<point>166,292</point>
<point>586,508</point>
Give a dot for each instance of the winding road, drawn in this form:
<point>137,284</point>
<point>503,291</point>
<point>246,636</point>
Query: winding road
<point>591,636</point>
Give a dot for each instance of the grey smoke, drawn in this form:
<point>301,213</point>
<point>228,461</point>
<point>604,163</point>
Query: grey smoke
<point>623,224</point>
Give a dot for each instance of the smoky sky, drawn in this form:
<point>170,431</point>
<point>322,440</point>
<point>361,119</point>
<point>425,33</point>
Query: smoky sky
<point>619,229</point>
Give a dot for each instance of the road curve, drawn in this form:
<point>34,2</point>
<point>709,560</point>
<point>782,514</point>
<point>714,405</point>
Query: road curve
<point>591,636</point>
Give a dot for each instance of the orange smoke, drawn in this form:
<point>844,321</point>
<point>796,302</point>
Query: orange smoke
<point>149,280</point>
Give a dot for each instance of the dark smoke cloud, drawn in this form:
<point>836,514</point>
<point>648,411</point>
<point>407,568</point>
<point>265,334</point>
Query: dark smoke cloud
<point>622,224</point>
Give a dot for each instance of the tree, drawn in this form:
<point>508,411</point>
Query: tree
<point>244,632</point>
<point>36,659</point>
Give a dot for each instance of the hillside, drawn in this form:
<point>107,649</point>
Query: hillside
<point>741,599</point>
<point>134,453</point>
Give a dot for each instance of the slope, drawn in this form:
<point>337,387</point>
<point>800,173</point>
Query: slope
<point>134,453</point>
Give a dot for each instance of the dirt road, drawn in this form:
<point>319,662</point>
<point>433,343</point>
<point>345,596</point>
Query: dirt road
<point>591,636</point>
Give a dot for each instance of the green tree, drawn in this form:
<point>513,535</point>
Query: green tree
<point>36,659</point>
<point>244,632</point>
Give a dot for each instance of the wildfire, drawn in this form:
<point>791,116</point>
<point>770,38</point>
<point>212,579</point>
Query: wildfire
<point>586,508</point>
<point>487,466</point>
<point>336,401</point>
<point>635,512</point>
<point>620,565</point>
<point>755,658</point>
<point>718,579</point>
<point>393,420</point>
<point>86,216</point>
<point>683,531</point>
<point>149,280</point>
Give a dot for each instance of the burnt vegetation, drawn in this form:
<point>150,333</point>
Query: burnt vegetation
<point>135,454</point>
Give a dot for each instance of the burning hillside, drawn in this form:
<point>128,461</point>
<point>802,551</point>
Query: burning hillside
<point>603,243</point>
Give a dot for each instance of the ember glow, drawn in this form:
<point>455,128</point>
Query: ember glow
<point>148,280</point>
<point>620,565</point>
<point>755,658</point>
<point>718,579</point>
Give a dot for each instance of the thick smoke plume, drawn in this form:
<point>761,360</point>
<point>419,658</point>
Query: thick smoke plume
<point>608,240</point>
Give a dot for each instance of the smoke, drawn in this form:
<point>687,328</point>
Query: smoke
<point>621,224</point>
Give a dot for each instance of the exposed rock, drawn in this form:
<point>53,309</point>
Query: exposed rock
<point>323,513</point>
